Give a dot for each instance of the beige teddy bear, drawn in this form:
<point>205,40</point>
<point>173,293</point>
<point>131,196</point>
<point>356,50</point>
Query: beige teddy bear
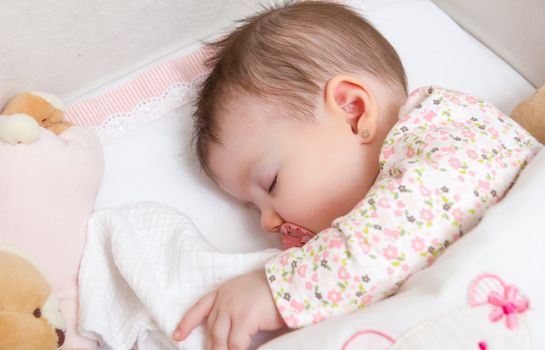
<point>530,113</point>
<point>30,317</point>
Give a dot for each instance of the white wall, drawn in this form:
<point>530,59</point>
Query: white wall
<point>68,47</point>
<point>514,29</point>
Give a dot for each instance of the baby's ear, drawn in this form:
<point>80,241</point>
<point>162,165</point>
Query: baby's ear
<point>348,98</point>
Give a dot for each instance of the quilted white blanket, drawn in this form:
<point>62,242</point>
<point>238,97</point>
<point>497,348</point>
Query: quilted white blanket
<point>142,267</point>
<point>145,264</point>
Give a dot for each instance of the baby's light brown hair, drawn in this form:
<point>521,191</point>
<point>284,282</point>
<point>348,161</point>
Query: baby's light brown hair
<point>284,56</point>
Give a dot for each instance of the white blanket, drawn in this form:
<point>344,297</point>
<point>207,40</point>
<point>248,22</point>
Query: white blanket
<point>142,267</point>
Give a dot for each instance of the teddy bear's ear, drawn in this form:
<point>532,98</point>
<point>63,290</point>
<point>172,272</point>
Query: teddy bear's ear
<point>46,108</point>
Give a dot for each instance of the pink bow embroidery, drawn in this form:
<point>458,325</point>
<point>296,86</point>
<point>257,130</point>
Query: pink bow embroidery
<point>508,305</point>
<point>505,299</point>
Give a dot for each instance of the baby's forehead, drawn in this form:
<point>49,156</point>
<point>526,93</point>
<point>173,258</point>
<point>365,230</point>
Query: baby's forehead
<point>250,114</point>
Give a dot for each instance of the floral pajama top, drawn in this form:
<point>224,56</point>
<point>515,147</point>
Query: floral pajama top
<point>450,157</point>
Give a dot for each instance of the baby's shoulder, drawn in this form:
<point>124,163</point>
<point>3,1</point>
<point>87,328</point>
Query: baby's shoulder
<point>435,98</point>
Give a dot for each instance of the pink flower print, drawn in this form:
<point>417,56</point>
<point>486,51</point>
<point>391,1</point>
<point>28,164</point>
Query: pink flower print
<point>468,134</point>
<point>454,162</point>
<point>454,100</point>
<point>508,305</point>
<point>383,203</point>
<point>343,274</point>
<point>493,131</point>
<point>392,234</point>
<point>308,285</point>
<point>429,115</point>
<point>457,213</point>
<point>424,191</point>
<point>485,185</point>
<point>430,138</point>
<point>398,212</point>
<point>388,152</point>
<point>317,317</point>
<point>365,247</point>
<point>410,152</point>
<point>302,270</point>
<point>336,243</point>
<point>400,204</point>
<point>471,100</point>
<point>367,299</point>
<point>298,307</point>
<point>334,296</point>
<point>291,321</point>
<point>430,260</point>
<point>418,244</point>
<point>284,259</point>
<point>448,149</point>
<point>426,214</point>
<point>314,278</point>
<point>390,186</point>
<point>390,252</point>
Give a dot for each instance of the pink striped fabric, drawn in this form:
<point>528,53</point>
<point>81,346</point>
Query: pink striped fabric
<point>152,82</point>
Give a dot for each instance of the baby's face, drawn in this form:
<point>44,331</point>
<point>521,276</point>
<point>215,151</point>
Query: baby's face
<point>303,172</point>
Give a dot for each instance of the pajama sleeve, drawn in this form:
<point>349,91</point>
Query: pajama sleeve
<point>434,185</point>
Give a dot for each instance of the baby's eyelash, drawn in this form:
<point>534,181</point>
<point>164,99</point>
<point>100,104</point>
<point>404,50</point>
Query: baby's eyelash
<point>273,184</point>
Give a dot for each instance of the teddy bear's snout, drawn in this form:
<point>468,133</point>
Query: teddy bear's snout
<point>60,337</point>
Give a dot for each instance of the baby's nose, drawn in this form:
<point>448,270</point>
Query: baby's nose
<point>271,221</point>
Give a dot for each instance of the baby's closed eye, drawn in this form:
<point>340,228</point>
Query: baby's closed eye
<point>273,184</point>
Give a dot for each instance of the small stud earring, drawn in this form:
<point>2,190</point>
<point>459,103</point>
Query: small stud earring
<point>365,134</point>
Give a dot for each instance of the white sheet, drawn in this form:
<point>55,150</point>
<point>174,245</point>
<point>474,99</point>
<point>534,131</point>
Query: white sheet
<point>155,163</point>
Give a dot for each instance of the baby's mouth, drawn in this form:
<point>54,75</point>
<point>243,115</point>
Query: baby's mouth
<point>293,235</point>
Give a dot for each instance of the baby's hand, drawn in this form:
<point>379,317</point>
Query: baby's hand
<point>236,311</point>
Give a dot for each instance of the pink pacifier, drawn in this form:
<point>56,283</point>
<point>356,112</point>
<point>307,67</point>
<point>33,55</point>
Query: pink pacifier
<point>293,235</point>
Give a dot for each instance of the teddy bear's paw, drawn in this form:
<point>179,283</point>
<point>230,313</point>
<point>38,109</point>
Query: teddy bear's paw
<point>19,128</point>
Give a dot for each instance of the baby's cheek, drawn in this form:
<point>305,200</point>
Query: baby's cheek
<point>314,212</point>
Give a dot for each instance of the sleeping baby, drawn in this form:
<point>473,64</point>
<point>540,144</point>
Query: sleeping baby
<point>305,116</point>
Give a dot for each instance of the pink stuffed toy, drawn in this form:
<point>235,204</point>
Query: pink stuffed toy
<point>48,187</point>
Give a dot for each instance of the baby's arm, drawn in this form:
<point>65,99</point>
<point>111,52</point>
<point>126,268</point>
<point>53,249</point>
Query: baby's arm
<point>439,188</point>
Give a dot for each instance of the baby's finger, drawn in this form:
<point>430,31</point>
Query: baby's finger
<point>211,320</point>
<point>194,316</point>
<point>220,332</point>
<point>240,336</point>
